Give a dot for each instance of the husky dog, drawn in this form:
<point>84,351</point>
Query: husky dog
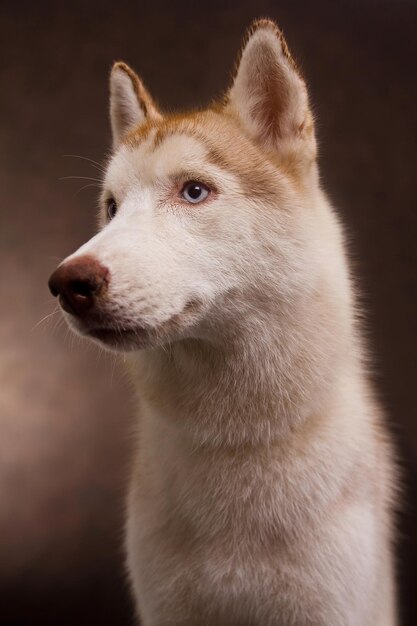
<point>262,487</point>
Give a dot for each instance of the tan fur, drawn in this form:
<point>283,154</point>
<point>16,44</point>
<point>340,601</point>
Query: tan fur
<point>263,481</point>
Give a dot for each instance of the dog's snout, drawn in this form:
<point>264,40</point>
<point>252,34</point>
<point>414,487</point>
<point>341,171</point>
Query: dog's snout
<point>78,283</point>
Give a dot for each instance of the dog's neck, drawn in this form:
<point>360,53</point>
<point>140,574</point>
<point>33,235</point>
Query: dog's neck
<point>249,388</point>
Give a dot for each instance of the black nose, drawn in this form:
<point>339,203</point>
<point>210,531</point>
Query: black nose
<point>78,283</point>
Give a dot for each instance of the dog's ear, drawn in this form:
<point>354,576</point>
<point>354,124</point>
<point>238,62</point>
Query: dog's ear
<point>130,102</point>
<point>270,98</point>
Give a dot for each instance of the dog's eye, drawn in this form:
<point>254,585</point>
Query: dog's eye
<point>194,192</point>
<point>111,209</point>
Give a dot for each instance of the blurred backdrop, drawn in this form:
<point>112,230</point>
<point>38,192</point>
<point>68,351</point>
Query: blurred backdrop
<point>65,412</point>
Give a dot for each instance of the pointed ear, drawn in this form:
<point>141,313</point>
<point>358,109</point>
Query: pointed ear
<point>130,102</point>
<point>270,98</point>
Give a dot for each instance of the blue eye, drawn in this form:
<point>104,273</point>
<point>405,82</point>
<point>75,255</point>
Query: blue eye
<point>111,209</point>
<point>194,192</point>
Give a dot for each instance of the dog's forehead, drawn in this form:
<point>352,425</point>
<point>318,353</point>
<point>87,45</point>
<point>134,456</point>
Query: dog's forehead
<point>157,155</point>
<point>197,144</point>
<point>176,148</point>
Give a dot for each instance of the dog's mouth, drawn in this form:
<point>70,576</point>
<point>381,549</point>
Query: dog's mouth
<point>105,334</point>
<point>119,336</point>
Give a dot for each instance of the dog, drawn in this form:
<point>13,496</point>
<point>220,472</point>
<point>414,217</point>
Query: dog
<point>264,480</point>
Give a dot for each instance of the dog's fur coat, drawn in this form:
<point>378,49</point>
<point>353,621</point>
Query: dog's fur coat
<point>262,486</point>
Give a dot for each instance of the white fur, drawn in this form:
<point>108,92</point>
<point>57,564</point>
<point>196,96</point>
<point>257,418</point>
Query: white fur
<point>261,490</point>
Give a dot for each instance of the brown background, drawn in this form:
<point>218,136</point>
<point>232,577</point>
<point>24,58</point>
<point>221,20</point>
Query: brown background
<point>64,412</point>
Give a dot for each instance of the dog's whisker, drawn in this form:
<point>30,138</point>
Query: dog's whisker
<point>95,164</point>
<point>57,322</point>
<point>85,187</point>
<point>45,318</point>
<point>96,180</point>
<point>113,370</point>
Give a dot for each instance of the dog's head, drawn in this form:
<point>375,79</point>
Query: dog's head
<point>202,214</point>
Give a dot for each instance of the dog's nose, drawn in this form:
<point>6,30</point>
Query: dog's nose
<point>78,283</point>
